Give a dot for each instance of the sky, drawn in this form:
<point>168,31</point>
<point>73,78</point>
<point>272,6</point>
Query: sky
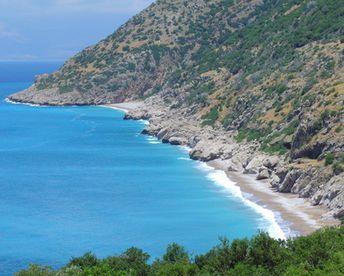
<point>54,30</point>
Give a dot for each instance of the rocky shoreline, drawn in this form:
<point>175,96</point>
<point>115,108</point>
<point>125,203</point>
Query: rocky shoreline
<point>257,173</point>
<point>302,180</point>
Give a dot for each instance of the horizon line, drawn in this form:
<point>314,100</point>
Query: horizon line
<point>45,60</point>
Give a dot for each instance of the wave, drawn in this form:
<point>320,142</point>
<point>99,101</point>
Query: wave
<point>7,100</point>
<point>144,122</point>
<point>274,226</point>
<point>184,158</point>
<point>185,149</point>
<point>152,140</point>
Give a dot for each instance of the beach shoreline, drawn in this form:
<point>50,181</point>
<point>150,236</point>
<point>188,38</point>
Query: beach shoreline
<point>294,215</point>
<point>297,215</point>
<point>125,107</point>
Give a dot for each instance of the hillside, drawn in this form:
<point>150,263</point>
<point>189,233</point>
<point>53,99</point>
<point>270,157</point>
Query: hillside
<point>268,74</point>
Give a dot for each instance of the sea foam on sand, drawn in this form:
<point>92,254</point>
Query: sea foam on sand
<point>269,218</point>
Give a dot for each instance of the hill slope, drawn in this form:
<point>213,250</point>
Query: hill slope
<point>267,72</point>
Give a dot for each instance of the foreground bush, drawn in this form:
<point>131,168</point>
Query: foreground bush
<point>321,253</point>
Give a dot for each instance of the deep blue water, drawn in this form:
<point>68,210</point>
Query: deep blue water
<point>80,179</point>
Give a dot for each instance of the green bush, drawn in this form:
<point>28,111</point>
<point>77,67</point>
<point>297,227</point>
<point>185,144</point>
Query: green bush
<point>338,129</point>
<point>292,127</point>
<point>36,270</point>
<point>278,148</point>
<point>126,48</point>
<point>321,253</point>
<point>251,134</point>
<point>211,117</point>
<point>337,168</point>
<point>329,159</point>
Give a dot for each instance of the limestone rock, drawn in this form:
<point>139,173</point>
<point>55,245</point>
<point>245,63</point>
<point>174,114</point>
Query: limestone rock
<point>254,165</point>
<point>271,162</point>
<point>177,141</point>
<point>263,173</point>
<point>289,181</point>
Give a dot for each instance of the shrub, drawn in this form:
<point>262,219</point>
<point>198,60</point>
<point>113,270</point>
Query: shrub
<point>36,270</point>
<point>278,148</point>
<point>329,159</point>
<point>251,134</point>
<point>338,129</point>
<point>87,260</point>
<point>321,253</point>
<point>291,127</point>
<point>126,48</point>
<point>211,117</point>
<point>65,89</point>
<point>337,168</point>
<point>175,253</point>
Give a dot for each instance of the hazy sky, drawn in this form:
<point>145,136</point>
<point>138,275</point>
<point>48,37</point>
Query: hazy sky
<point>56,29</point>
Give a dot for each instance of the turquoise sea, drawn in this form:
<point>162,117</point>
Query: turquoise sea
<point>80,179</point>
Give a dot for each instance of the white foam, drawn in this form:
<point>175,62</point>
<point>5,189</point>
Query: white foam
<point>184,158</point>
<point>152,138</point>
<point>113,107</point>
<point>144,122</point>
<point>154,142</point>
<point>269,219</point>
<point>185,149</point>
<point>7,100</point>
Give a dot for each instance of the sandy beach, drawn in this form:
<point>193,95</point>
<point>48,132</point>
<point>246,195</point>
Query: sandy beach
<point>296,215</point>
<point>127,106</point>
<point>301,217</point>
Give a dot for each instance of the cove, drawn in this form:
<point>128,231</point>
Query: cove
<point>78,179</point>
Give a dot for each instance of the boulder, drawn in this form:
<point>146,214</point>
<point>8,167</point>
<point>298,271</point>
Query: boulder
<point>263,173</point>
<point>289,181</point>
<point>254,164</point>
<point>275,180</point>
<point>177,141</point>
<point>271,162</point>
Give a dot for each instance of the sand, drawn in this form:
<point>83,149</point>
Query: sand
<point>127,106</point>
<point>297,213</point>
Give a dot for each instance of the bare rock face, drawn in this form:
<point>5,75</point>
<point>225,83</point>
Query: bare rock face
<point>263,174</point>
<point>289,181</point>
<point>253,166</point>
<point>271,162</point>
<point>177,141</point>
<point>333,195</point>
<point>204,155</point>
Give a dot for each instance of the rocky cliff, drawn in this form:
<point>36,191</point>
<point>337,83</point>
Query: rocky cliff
<point>261,78</point>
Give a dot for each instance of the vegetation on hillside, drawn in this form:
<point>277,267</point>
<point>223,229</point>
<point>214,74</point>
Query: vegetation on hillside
<point>262,68</point>
<point>321,253</point>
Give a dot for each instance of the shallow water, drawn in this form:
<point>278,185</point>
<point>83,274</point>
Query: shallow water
<point>79,179</point>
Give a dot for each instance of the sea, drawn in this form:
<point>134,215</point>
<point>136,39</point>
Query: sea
<point>79,179</point>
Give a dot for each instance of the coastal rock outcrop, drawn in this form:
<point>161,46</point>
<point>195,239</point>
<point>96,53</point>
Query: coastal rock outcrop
<point>263,173</point>
<point>208,145</point>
